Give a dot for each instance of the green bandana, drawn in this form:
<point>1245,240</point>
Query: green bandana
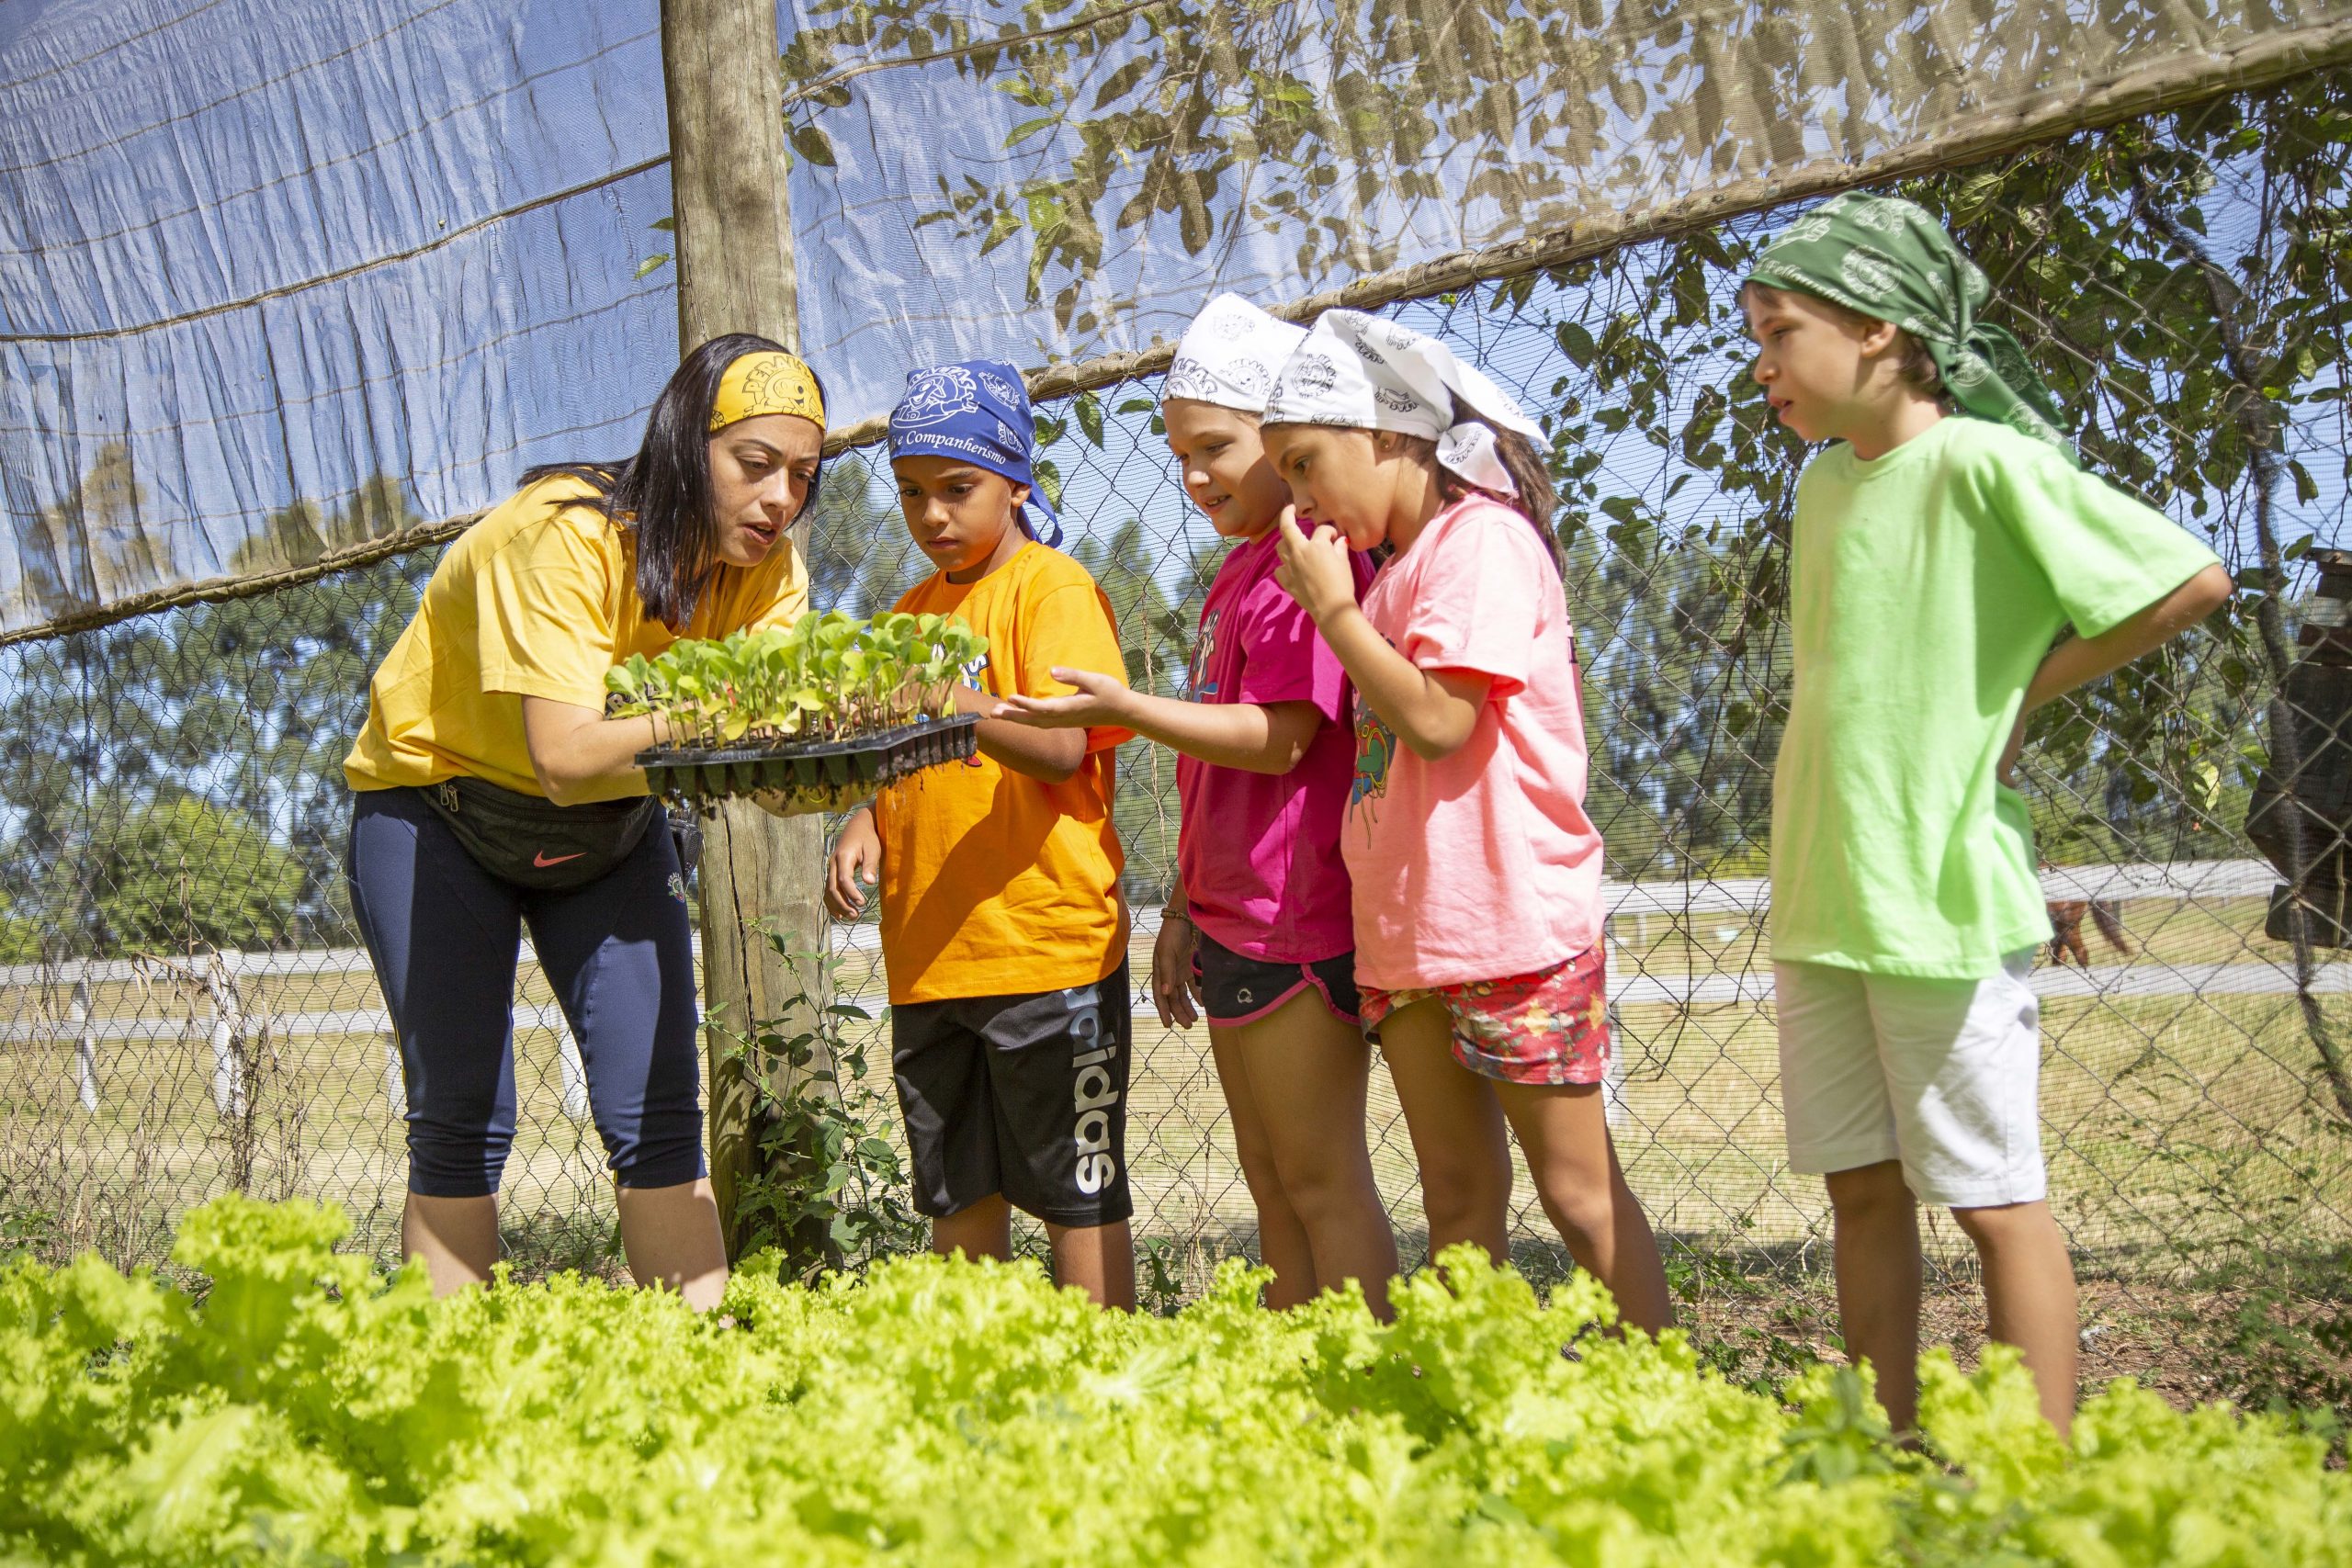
<point>1888,259</point>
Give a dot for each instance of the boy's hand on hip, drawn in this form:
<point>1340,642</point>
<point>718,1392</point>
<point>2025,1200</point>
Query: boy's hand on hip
<point>2007,770</point>
<point>1314,572</point>
<point>1095,705</point>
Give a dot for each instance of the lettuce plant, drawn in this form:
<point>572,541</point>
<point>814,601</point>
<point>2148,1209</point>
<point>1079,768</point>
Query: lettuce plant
<point>303,1408</point>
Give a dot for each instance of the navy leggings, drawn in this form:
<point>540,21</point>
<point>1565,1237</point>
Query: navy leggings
<point>444,935</point>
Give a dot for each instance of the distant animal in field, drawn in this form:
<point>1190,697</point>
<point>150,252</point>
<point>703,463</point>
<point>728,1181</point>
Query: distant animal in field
<point>2066,928</point>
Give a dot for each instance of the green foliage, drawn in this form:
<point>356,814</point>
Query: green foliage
<point>2292,1348</point>
<point>306,1410</point>
<point>181,871</point>
<point>1760,1357</point>
<point>829,1187</point>
<point>246,704</point>
<point>1208,126</point>
<point>2277,1327</point>
<point>1159,1271</point>
<point>861,557</point>
<point>1151,639</point>
<point>24,1230</point>
<point>168,874</point>
<point>825,677</point>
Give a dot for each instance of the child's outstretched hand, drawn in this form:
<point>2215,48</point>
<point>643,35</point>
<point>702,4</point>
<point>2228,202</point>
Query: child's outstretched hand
<point>1314,572</point>
<point>856,859</point>
<point>1095,703</point>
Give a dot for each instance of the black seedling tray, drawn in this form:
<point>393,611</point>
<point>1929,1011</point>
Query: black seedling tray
<point>699,773</point>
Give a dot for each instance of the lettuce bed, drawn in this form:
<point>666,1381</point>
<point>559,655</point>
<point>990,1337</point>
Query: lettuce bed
<point>309,1410</point>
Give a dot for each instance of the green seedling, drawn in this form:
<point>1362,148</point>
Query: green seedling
<point>828,677</point>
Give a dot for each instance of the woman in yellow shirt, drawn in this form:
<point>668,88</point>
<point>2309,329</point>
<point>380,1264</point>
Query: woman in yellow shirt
<point>491,793</point>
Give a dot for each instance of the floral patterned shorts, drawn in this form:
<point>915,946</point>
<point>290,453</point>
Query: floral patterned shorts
<point>1551,1027</point>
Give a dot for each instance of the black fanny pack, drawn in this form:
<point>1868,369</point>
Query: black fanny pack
<point>532,842</point>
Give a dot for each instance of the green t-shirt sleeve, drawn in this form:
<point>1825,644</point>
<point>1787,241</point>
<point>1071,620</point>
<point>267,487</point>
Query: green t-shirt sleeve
<point>2107,556</point>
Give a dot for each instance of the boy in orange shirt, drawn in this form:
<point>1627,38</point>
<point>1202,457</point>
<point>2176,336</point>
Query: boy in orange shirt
<point>1002,929</point>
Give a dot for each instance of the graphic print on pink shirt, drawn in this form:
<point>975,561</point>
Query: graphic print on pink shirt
<point>1375,748</point>
<point>1197,678</point>
<point>1483,863</point>
<point>1260,852</point>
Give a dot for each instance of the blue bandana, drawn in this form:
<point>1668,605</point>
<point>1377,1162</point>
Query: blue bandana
<point>977,411</point>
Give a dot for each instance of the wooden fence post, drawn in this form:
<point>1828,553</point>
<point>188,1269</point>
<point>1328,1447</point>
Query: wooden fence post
<point>734,235</point>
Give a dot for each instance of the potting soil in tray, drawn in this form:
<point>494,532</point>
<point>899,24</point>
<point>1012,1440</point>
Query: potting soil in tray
<point>814,767</point>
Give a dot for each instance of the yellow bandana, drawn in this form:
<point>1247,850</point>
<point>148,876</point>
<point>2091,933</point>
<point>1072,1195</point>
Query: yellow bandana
<point>766,382</point>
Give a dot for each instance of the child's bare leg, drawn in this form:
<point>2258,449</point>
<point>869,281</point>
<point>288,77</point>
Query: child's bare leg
<point>983,1230</point>
<point>1457,1129</point>
<point>1283,1246</point>
<point>2029,1297</point>
<point>1306,1071</point>
<point>1564,1131</point>
<point>1098,1259</point>
<point>1878,1281</point>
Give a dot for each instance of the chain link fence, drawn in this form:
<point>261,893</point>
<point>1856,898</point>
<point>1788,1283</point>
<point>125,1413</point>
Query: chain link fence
<point>187,1008</point>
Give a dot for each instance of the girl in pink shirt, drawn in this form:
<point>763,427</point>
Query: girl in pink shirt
<point>1259,932</point>
<point>1476,871</point>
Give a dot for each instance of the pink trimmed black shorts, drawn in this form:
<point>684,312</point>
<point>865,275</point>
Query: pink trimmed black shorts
<point>1237,989</point>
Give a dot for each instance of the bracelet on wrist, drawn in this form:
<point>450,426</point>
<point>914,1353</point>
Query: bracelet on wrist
<point>1173,913</point>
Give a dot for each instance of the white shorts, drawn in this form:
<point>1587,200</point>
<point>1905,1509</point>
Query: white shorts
<point>1942,1075</point>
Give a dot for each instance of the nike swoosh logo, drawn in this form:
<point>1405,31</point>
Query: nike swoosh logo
<point>542,861</point>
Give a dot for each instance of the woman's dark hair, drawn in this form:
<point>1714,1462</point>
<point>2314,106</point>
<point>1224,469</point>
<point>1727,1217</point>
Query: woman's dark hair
<point>664,491</point>
<point>1536,500</point>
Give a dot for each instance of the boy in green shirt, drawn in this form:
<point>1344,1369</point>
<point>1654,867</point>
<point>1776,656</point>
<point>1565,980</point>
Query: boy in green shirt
<point>1933,560</point>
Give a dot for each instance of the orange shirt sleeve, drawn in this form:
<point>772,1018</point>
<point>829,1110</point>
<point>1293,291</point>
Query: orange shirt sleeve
<point>1071,624</point>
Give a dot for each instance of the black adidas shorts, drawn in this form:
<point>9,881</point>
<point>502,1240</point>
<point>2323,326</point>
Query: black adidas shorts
<point>1024,1095</point>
